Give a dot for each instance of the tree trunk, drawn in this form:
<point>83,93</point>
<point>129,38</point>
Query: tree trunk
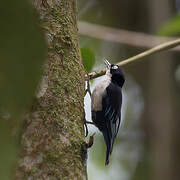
<point>162,123</point>
<point>52,143</point>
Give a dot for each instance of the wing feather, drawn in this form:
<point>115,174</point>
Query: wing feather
<point>112,111</point>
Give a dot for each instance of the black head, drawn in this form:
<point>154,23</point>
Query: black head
<point>116,72</point>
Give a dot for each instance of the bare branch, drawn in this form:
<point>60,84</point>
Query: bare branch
<point>137,39</point>
<point>161,47</point>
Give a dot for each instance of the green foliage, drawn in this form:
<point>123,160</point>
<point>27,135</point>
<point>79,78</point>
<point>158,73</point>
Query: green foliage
<point>171,28</point>
<point>22,52</point>
<point>88,58</point>
<point>8,151</point>
<point>98,152</point>
<point>143,167</point>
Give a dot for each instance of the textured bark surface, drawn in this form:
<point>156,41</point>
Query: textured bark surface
<point>53,145</point>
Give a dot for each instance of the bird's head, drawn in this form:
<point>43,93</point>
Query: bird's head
<point>116,73</point>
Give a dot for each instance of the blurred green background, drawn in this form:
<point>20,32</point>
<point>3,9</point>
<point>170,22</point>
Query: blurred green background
<point>147,145</point>
<point>22,53</point>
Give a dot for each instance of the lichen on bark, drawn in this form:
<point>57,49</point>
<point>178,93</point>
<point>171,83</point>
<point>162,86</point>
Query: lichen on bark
<point>53,145</point>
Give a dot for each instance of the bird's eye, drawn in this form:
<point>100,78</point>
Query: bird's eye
<point>115,67</point>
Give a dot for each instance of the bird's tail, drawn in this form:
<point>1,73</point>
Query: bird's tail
<point>108,142</point>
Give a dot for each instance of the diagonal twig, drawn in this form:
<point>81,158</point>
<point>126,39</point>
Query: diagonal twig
<point>156,49</point>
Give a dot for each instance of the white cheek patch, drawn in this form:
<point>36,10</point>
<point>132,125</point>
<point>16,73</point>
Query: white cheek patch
<point>115,67</point>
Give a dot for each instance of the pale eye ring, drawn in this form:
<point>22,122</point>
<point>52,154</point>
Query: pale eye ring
<point>115,67</point>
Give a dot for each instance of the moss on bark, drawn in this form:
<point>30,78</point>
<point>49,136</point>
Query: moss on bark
<point>53,145</point>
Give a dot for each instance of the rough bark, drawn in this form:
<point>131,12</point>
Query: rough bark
<point>53,145</point>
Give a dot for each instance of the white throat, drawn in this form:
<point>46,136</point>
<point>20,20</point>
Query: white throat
<point>100,91</point>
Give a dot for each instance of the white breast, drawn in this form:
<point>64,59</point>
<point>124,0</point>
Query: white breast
<point>99,92</point>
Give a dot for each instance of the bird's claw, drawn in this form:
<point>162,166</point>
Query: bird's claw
<point>86,128</point>
<point>88,90</point>
<point>91,141</point>
<point>89,122</point>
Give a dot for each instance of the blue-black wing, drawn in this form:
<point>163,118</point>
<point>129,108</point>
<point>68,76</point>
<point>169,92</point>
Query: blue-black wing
<point>112,114</point>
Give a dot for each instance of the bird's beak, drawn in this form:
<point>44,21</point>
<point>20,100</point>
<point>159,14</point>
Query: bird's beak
<point>106,62</point>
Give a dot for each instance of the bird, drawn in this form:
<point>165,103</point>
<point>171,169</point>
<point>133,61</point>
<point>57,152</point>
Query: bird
<point>106,103</point>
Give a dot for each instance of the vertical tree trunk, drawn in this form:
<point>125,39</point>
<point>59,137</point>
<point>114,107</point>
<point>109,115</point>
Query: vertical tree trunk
<point>162,122</point>
<point>53,145</point>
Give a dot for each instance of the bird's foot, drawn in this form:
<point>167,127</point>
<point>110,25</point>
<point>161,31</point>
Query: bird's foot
<point>88,90</point>
<point>86,128</point>
<point>91,141</point>
<point>89,122</point>
<point>85,125</point>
